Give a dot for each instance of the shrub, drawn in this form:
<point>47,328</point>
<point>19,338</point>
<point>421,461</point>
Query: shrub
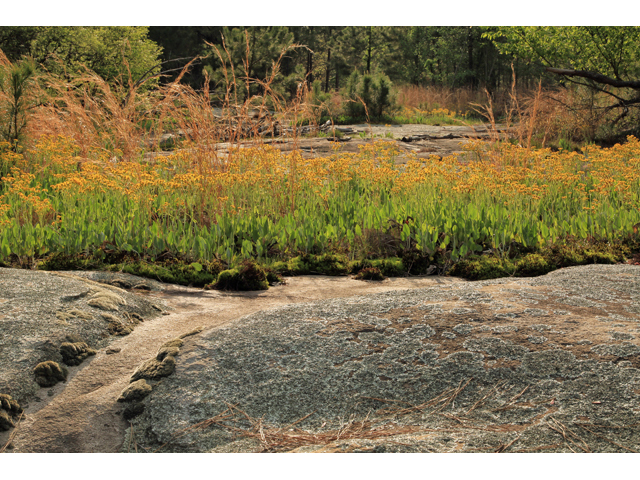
<point>369,95</point>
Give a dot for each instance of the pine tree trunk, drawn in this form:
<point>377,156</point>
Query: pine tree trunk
<point>328,70</point>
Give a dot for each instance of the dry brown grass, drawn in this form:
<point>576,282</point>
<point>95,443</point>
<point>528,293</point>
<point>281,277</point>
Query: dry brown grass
<point>435,97</point>
<point>546,117</point>
<point>120,120</point>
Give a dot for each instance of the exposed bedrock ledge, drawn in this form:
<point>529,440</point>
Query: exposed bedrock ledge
<point>461,354</point>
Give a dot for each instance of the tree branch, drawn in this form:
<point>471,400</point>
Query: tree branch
<point>596,77</point>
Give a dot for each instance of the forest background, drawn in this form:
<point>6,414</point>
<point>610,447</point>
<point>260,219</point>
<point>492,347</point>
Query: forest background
<point>357,73</point>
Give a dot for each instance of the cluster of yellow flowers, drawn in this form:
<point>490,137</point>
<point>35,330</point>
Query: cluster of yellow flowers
<point>264,177</point>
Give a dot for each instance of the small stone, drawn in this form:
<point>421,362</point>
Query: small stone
<point>112,350</point>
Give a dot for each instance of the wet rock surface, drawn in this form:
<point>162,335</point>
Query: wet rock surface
<point>546,364</point>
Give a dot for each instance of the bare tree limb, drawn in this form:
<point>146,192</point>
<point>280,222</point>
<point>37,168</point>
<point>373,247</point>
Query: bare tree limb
<point>596,77</point>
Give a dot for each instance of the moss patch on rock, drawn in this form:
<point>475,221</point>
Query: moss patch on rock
<point>247,277</point>
<point>9,412</point>
<point>153,369</point>
<point>370,273</point>
<point>117,327</point>
<point>75,353</point>
<point>72,314</point>
<point>105,300</point>
<point>520,262</point>
<point>389,267</point>
<point>49,373</point>
<point>136,391</point>
<point>176,342</point>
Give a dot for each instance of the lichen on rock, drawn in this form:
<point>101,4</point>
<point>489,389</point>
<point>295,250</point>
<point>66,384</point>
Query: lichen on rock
<point>49,373</point>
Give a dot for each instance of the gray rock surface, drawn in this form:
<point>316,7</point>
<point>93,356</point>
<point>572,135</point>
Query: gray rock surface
<point>41,311</point>
<point>375,372</point>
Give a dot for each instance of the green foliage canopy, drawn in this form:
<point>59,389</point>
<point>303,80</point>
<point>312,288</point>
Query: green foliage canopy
<point>610,51</point>
<point>111,52</point>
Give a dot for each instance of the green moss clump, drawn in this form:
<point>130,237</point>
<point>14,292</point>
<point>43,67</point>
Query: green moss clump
<point>195,331</point>
<point>272,276</point>
<point>574,251</point>
<point>63,261</point>
<point>371,273</point>
<point>176,342</point>
<point>389,267</point>
<point>117,328</point>
<point>326,264</point>
<point>247,277</point>
<point>196,275</point>
<point>153,369</point>
<point>9,411</point>
<point>483,268</point>
<point>75,353</point>
<point>135,392</point>
<point>175,270</point>
<point>49,373</point>
<point>533,265</point>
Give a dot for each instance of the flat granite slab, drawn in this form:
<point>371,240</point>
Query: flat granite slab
<point>546,364</point>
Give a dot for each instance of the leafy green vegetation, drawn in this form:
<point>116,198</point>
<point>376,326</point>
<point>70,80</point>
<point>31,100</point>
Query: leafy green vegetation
<point>111,52</point>
<point>84,183</point>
